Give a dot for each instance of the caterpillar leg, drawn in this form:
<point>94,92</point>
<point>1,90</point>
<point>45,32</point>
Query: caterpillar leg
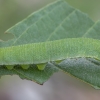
<point>41,66</point>
<point>9,67</point>
<point>25,66</point>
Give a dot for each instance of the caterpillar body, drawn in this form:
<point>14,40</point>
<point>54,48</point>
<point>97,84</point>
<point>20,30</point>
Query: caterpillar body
<point>41,53</point>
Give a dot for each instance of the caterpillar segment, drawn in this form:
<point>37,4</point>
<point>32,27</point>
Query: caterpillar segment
<point>25,66</point>
<point>41,66</point>
<point>9,67</point>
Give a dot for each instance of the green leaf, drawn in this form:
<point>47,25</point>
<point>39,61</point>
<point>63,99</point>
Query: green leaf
<point>7,43</point>
<point>86,69</point>
<point>57,32</point>
<point>32,73</point>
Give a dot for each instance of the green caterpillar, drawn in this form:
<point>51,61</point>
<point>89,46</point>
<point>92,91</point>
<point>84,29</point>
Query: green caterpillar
<point>41,53</point>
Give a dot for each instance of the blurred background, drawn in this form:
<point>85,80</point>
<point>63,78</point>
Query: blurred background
<point>59,86</point>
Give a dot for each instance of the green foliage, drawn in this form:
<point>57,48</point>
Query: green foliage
<point>57,32</point>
